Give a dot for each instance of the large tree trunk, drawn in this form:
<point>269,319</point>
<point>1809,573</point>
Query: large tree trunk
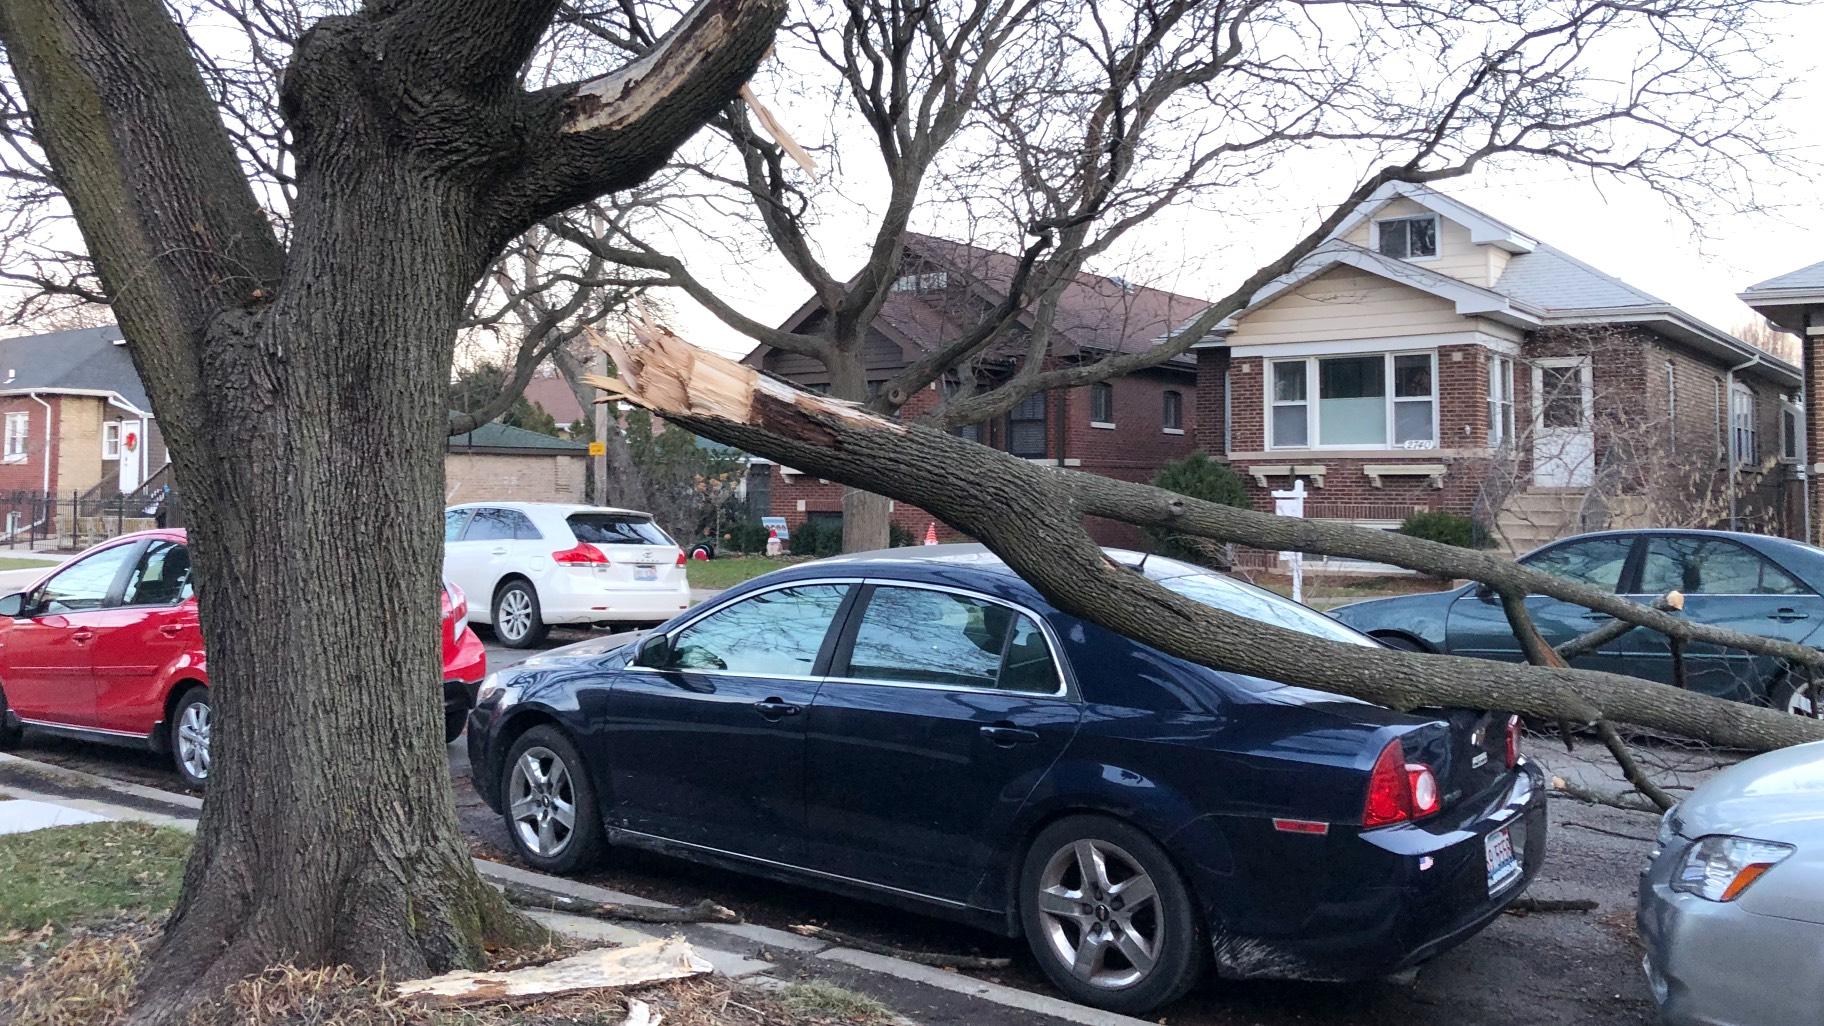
<point>865,515</point>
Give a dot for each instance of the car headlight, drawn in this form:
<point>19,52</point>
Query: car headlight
<point>496,689</point>
<point>1720,868</point>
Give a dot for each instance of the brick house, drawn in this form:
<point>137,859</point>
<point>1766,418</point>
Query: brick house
<point>1430,357</point>
<point>499,462</point>
<point>1125,428</point>
<point>76,420</point>
<point>1794,303</point>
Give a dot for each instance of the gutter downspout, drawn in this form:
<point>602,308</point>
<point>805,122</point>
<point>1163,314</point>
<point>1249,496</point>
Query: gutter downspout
<point>33,396</point>
<point>1734,460</point>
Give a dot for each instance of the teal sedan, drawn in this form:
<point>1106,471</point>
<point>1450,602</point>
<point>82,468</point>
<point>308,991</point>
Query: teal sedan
<point>1751,583</point>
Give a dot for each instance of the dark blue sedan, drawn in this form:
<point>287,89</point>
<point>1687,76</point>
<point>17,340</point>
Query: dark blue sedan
<point>1751,583</point>
<point>920,728</point>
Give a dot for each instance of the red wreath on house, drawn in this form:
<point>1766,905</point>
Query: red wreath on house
<point>131,442</point>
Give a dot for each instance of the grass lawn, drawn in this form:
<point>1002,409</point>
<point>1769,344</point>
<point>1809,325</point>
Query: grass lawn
<point>12,563</point>
<point>67,878</point>
<point>1327,591</point>
<point>728,571</point>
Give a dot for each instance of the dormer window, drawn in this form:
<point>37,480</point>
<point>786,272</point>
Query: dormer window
<point>927,281</point>
<point>1407,238</point>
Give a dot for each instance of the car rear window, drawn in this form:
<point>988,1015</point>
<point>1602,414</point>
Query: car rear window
<point>616,529</point>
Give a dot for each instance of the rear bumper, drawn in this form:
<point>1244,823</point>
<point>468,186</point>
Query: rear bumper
<point>562,598</point>
<point>1378,901</point>
<point>1713,963</point>
<point>467,659</point>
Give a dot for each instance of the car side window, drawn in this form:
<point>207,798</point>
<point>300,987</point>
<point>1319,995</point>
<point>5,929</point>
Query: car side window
<point>774,634</point>
<point>453,520</point>
<point>490,525</point>
<point>1597,562</point>
<point>161,578</point>
<point>1711,566</point>
<point>919,636</point>
<point>84,585</point>
<point>522,526</point>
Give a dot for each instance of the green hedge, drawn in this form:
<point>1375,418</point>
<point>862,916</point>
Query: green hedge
<point>1448,528</point>
<point>1199,477</point>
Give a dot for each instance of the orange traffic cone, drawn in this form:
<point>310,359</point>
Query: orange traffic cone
<point>931,533</point>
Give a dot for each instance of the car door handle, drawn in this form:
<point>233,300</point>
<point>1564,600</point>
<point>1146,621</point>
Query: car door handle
<point>81,637</point>
<point>1008,736</point>
<point>1594,615</point>
<point>774,709</point>
<point>1788,615</point>
<point>498,552</point>
<point>171,630</point>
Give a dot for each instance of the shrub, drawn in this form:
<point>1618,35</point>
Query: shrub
<point>1199,477</point>
<point>898,536</point>
<point>748,537</point>
<point>819,537</point>
<point>1448,528</point>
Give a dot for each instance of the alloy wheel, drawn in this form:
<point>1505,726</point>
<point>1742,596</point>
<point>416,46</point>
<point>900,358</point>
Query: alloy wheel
<point>514,618</point>
<point>193,740</point>
<point>542,801</point>
<point>1100,913</point>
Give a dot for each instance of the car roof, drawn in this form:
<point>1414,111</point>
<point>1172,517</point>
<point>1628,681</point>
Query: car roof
<point>1761,541</point>
<point>565,508</point>
<point>963,559</point>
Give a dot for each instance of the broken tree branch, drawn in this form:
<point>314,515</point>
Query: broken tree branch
<point>1033,518</point>
<point>1526,905</point>
<point>1630,768</point>
<point>705,911</point>
<point>1584,644</point>
<point>849,940</point>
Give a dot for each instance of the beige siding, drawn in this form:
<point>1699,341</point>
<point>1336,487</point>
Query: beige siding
<point>79,464</point>
<point>1346,303</point>
<point>478,477</point>
<point>1457,256</point>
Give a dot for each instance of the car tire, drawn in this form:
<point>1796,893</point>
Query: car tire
<point>1059,916</point>
<point>453,721</point>
<point>1791,695</point>
<point>9,736</point>
<point>1401,643</point>
<point>536,826</point>
<point>190,728</point>
<point>517,623</point>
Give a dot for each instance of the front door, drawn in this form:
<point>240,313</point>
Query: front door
<point>709,749</point>
<point>46,653</point>
<point>1564,440</point>
<point>942,713</point>
<point>139,641</point>
<point>132,453</point>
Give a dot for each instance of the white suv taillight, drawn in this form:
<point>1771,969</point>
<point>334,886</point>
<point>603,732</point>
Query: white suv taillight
<point>582,553</point>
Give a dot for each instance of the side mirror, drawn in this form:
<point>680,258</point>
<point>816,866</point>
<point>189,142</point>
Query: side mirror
<point>1484,593</point>
<point>13,605</point>
<point>654,652</point>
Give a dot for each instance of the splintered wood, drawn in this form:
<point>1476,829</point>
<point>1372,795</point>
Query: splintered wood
<point>595,969</point>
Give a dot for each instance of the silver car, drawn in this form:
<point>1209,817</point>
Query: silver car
<point>1732,898</point>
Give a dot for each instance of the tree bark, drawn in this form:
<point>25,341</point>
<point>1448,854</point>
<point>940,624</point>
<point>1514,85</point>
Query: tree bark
<point>1032,517</point>
<point>303,391</point>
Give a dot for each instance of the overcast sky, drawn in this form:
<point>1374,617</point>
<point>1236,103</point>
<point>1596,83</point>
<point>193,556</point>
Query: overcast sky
<point>1621,228</point>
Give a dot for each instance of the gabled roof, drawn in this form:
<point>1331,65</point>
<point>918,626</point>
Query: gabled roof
<point>553,394</point>
<point>1541,286</point>
<point>83,361</point>
<point>1807,278</point>
<point>497,437</point>
<point>1784,299</point>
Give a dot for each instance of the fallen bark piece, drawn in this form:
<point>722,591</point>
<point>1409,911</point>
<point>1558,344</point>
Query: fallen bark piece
<point>1526,906</point>
<point>598,968</point>
<point>705,911</point>
<point>1624,802</point>
<point>639,1013</point>
<point>921,957</point>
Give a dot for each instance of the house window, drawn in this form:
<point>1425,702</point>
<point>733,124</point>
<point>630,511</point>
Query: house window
<point>110,440</point>
<point>929,281</point>
<point>1355,406</point>
<point>1500,401</point>
<point>1408,238</point>
<point>1102,404</point>
<point>18,426</point>
<point>1792,424</point>
<point>1026,428</point>
<point>1742,426</point>
<point>1172,415</point>
<point>1671,403</point>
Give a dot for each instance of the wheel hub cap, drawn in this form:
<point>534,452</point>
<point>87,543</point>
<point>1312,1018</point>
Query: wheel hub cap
<point>542,802</point>
<point>1099,914</point>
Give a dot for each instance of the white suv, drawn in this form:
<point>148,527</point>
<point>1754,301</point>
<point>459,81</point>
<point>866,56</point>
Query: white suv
<point>527,565</point>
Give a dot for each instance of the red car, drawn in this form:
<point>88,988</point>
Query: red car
<point>107,648</point>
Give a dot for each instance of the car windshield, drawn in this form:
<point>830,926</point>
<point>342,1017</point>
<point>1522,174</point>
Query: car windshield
<point>1232,596</point>
<point>616,529</point>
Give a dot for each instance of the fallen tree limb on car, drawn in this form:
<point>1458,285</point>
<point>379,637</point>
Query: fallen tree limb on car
<point>1033,518</point>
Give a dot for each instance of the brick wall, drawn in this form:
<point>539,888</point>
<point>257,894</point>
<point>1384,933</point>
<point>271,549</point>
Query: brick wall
<point>26,474</point>
<point>480,476</point>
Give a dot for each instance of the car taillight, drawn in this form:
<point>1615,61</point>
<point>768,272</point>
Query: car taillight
<point>582,553</point>
<point>455,603</point>
<point>1399,790</point>
<point>680,557</point>
<point>1513,741</point>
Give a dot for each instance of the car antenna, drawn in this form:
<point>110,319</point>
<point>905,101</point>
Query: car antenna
<point>1140,567</point>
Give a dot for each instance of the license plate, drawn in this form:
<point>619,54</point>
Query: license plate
<point>1503,868</point>
<point>646,572</point>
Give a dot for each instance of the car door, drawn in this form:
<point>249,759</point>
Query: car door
<point>458,556</point>
<point>47,651</point>
<point>139,639</point>
<point>1477,624</point>
<point>486,543</point>
<point>709,749</point>
<point>942,711</point>
<point>1726,585</point>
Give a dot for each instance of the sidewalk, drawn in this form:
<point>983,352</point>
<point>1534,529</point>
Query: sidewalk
<point>755,954</point>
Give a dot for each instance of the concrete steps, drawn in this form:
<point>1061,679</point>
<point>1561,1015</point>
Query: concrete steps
<point>1539,515</point>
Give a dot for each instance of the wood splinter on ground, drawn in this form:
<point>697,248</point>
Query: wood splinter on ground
<point>596,969</point>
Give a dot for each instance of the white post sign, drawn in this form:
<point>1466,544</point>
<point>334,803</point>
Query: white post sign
<point>1291,503</point>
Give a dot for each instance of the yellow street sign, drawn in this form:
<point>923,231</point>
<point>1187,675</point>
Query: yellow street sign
<point>598,448</point>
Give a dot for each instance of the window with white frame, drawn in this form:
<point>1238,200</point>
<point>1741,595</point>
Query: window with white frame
<point>1407,238</point>
<point>927,281</point>
<point>1500,400</point>
<point>1742,426</point>
<point>1792,427</point>
<point>1172,411</point>
<point>1377,401</point>
<point>18,428</point>
<point>1102,404</point>
<point>110,440</point>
